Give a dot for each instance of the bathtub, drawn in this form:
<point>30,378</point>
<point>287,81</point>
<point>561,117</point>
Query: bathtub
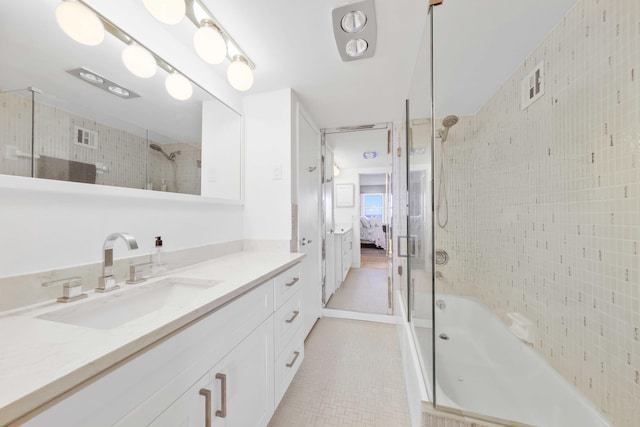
<point>484,369</point>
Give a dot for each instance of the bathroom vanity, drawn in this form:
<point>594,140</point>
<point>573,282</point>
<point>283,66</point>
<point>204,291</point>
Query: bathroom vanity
<point>220,347</point>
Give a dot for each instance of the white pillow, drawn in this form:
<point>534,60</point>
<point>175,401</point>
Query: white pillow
<point>364,222</point>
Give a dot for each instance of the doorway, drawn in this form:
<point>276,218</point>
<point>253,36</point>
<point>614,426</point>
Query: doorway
<point>357,220</point>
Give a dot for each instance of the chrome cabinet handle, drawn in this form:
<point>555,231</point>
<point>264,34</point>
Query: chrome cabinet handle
<point>207,406</point>
<point>222,412</point>
<point>292,282</point>
<point>295,314</point>
<point>295,357</point>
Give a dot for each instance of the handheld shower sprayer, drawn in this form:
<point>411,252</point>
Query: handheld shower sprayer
<point>171,157</point>
<point>447,122</point>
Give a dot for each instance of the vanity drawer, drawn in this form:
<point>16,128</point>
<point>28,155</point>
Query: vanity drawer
<point>287,321</point>
<point>286,284</point>
<point>287,365</point>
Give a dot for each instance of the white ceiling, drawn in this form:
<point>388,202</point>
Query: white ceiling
<point>478,45</point>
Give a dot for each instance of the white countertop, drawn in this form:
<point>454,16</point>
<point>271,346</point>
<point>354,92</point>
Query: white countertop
<point>342,228</point>
<point>41,359</point>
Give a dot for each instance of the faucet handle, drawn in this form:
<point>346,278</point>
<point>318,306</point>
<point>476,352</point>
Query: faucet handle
<point>135,272</point>
<point>71,288</point>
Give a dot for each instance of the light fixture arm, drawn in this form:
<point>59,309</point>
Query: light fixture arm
<point>191,14</point>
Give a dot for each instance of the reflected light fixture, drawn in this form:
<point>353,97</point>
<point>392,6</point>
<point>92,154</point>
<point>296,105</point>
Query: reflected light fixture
<point>166,11</point>
<point>239,73</point>
<point>80,23</point>
<point>336,170</point>
<point>369,155</point>
<point>209,43</point>
<point>139,61</point>
<point>101,82</point>
<point>117,90</point>
<point>91,78</point>
<point>178,86</point>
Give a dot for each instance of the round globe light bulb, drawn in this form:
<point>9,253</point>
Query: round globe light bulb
<point>80,23</point>
<point>239,74</point>
<point>209,44</point>
<point>139,61</point>
<point>178,86</point>
<point>166,11</point>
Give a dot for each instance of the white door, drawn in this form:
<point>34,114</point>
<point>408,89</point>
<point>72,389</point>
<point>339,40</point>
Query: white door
<point>329,226</point>
<point>309,242</point>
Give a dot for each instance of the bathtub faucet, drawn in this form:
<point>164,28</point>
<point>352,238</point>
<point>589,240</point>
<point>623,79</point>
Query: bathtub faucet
<point>440,304</point>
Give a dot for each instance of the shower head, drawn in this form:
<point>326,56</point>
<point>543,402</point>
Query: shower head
<point>159,149</point>
<point>447,122</point>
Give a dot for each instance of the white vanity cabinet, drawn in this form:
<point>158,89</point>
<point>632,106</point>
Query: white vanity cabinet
<point>237,392</point>
<point>229,357</point>
<point>288,330</point>
<point>343,255</point>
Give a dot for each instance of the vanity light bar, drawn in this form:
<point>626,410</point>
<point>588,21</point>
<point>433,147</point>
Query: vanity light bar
<point>183,93</point>
<point>197,12</point>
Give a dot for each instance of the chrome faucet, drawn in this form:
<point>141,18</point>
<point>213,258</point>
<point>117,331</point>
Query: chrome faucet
<point>107,281</point>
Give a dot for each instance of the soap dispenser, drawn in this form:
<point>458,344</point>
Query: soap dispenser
<point>156,257</point>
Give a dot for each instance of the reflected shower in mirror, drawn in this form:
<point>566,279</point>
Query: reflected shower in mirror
<point>89,114</point>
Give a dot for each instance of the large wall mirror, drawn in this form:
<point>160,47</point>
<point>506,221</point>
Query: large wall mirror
<point>74,112</point>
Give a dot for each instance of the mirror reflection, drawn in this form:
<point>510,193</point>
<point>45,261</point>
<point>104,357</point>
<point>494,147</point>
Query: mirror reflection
<point>88,118</point>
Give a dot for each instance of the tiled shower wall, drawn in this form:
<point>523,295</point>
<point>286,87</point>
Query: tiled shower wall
<point>544,204</point>
<point>122,153</point>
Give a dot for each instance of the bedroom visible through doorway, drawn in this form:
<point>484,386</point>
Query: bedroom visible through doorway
<point>374,220</point>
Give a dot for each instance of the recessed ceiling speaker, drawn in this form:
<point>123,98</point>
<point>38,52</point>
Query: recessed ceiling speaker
<point>354,28</point>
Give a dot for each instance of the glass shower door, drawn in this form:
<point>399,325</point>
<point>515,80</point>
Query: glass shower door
<point>419,178</point>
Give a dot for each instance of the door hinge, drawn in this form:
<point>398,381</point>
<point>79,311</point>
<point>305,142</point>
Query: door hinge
<point>399,270</point>
<point>399,152</point>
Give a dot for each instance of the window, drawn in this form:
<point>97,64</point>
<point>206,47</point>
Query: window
<point>373,205</point>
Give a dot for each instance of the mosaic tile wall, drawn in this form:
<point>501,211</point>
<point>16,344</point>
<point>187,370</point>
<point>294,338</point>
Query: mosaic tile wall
<point>544,204</point>
<point>123,154</point>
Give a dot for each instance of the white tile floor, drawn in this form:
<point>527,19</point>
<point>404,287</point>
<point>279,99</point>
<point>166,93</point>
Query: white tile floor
<point>351,376</point>
<point>364,290</point>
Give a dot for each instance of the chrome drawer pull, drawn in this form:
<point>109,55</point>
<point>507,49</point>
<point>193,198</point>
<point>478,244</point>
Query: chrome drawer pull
<point>293,282</point>
<point>207,406</point>
<point>295,314</point>
<point>222,413</point>
<point>295,357</point>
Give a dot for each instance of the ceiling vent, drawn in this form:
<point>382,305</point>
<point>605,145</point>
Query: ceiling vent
<point>354,28</point>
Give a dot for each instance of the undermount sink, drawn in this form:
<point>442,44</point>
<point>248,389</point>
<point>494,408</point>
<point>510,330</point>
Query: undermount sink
<point>117,308</point>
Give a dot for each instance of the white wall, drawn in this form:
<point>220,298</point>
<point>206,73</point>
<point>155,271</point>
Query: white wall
<point>48,224</point>
<point>268,152</point>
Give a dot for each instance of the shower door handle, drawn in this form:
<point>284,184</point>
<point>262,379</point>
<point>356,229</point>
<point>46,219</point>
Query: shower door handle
<point>411,246</point>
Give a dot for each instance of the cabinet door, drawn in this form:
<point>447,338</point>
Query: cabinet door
<point>237,392</point>
<point>242,383</point>
<point>190,410</point>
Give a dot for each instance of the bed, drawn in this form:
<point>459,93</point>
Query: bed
<point>373,232</point>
